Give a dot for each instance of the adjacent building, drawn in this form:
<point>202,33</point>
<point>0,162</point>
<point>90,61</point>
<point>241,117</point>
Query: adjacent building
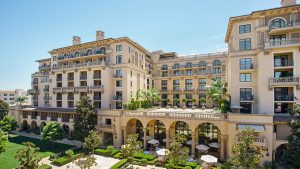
<point>261,68</point>
<point>10,96</point>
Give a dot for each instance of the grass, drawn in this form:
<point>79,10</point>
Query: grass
<point>7,158</point>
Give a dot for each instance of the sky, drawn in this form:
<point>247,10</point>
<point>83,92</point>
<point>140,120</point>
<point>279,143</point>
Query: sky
<point>30,29</point>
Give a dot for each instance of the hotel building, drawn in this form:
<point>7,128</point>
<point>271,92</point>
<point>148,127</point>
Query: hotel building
<point>261,68</point>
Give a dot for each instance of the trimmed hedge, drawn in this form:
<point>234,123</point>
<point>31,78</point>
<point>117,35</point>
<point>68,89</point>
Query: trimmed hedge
<point>117,155</point>
<point>119,164</point>
<point>149,157</point>
<point>187,165</point>
<point>44,166</point>
<point>65,160</point>
<point>105,152</point>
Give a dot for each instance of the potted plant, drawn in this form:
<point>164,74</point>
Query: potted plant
<point>168,103</point>
<point>175,102</point>
<point>159,101</point>
<point>203,101</point>
<point>183,103</point>
<point>194,103</point>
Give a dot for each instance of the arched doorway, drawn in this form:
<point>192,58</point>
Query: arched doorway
<point>25,125</point>
<point>156,130</point>
<point>108,139</point>
<point>279,151</point>
<point>209,135</point>
<point>66,129</point>
<point>42,125</point>
<point>33,127</point>
<point>180,127</point>
<point>135,126</point>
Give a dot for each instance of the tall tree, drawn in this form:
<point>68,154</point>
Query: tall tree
<point>92,141</point>
<point>291,156</point>
<point>217,92</point>
<point>3,141</point>
<point>21,100</point>
<point>8,124</point>
<point>52,132</point>
<point>178,153</point>
<point>28,156</point>
<point>245,154</point>
<point>86,118</point>
<point>131,147</point>
<point>4,108</point>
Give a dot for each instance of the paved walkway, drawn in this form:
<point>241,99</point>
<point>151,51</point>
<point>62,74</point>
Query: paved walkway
<point>63,141</point>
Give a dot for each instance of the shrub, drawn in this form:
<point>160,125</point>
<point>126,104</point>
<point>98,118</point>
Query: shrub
<point>65,160</point>
<point>44,166</point>
<point>118,155</point>
<point>119,164</point>
<point>187,167</point>
<point>105,152</point>
<point>69,153</point>
<point>149,157</point>
<point>144,162</point>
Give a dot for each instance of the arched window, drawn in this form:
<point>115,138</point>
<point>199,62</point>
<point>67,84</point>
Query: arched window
<point>89,52</point>
<point>66,56</point>
<point>76,54</point>
<point>176,66</point>
<point>277,23</point>
<point>202,64</point>
<point>102,50</point>
<point>216,63</point>
<point>164,67</point>
<point>188,65</point>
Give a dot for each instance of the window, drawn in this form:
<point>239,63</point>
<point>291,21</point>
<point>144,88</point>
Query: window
<point>246,94</point>
<point>108,122</point>
<point>89,52</point>
<point>282,61</point>
<point>202,64</point>
<point>130,83</point>
<point>216,63</point>
<point>188,84</point>
<point>119,59</point>
<point>245,28</point>
<point>164,67</point>
<point>176,82</point>
<point>277,23</point>
<point>129,49</point>
<point>246,64</point>
<point>164,82</point>
<point>54,58</point>
<point>202,81</point>
<point>247,108</point>
<point>245,77</point>
<point>118,48</point>
<point>216,70</point>
<point>119,83</point>
<point>245,44</point>
<point>176,66</point>
<point>119,72</point>
<point>188,65</point>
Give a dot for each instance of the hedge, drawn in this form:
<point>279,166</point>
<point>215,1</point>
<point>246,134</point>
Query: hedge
<point>105,152</point>
<point>119,164</point>
<point>117,155</point>
<point>44,166</point>
<point>65,160</point>
<point>149,157</point>
<point>187,165</point>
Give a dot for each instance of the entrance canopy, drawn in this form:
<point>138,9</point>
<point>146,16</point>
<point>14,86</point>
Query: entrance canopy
<point>255,127</point>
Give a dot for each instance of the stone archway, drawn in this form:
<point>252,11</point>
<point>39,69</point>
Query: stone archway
<point>182,128</point>
<point>66,129</point>
<point>135,126</point>
<point>34,127</point>
<point>279,151</point>
<point>42,125</point>
<point>25,126</point>
<point>156,129</point>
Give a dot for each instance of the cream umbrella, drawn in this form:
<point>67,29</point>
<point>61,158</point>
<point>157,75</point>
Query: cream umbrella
<point>209,159</point>
<point>148,138</point>
<point>162,152</point>
<point>214,145</point>
<point>153,141</point>
<point>189,142</point>
<point>202,147</point>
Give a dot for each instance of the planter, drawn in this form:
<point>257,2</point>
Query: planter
<point>183,107</point>
<point>175,107</point>
<point>193,107</point>
<point>168,107</point>
<point>203,107</point>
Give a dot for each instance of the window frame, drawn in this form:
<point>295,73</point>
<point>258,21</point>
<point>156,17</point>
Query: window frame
<point>242,28</point>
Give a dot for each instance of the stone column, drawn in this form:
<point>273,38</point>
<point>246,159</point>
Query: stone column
<point>167,139</point>
<point>145,138</point>
<point>193,143</point>
<point>222,148</point>
<point>125,134</point>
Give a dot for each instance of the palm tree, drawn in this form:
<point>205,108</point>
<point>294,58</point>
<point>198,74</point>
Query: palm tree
<point>21,100</point>
<point>217,92</point>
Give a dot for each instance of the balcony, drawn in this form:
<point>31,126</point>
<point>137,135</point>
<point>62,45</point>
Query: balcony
<point>57,89</point>
<point>65,120</point>
<point>70,78</point>
<point>164,90</point>
<point>33,91</point>
<point>284,64</point>
<point>282,43</point>
<point>188,89</point>
<point>117,98</point>
<point>84,77</point>
<point>76,66</point>
<point>285,28</point>
<point>117,76</point>
<point>35,82</point>
<point>97,88</point>
<point>201,88</point>
<point>46,90</point>
<point>58,97</point>
<point>44,67</point>
<point>284,98</point>
<point>106,126</point>
<point>70,97</point>
<point>81,88</point>
<point>47,98</point>
<point>97,76</point>
<point>97,97</point>
<point>59,79</point>
<point>284,81</point>
<point>68,89</point>
<point>246,98</point>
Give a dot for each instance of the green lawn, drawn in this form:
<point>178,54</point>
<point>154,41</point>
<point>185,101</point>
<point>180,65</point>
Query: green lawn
<point>7,158</point>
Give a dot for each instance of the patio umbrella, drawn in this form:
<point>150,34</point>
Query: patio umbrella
<point>162,152</point>
<point>202,147</point>
<point>153,141</point>
<point>189,142</point>
<point>209,159</point>
<point>236,107</point>
<point>148,138</point>
<point>165,140</point>
<point>214,145</point>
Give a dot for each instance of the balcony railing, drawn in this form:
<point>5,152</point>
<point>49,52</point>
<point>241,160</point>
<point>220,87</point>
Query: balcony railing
<point>106,126</point>
<point>117,98</point>
<point>246,98</point>
<point>282,43</point>
<point>96,88</point>
<point>59,79</point>
<point>68,89</point>
<point>46,90</point>
<point>70,97</point>
<point>284,64</point>
<point>58,97</point>
<point>81,88</point>
<point>117,75</point>
<point>65,120</point>
<point>70,78</point>
<point>75,66</point>
<point>47,98</point>
<point>278,97</point>
<point>97,97</point>
<point>33,91</point>
<point>282,81</point>
<point>164,90</point>
<point>97,76</point>
<point>57,89</point>
<point>84,77</point>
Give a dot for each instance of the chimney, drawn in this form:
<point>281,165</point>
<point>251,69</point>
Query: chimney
<point>99,35</point>
<point>76,40</point>
<point>285,3</point>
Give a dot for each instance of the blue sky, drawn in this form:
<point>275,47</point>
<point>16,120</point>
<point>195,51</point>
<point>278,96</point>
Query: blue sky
<point>31,28</point>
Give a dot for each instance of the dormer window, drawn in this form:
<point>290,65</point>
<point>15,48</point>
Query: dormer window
<point>188,65</point>
<point>216,63</point>
<point>164,67</point>
<point>89,52</point>
<point>176,66</point>
<point>202,64</point>
<point>277,23</point>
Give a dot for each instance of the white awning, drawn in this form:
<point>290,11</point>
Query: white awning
<point>257,128</point>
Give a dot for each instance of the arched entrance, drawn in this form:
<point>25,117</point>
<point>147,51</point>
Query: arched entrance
<point>42,125</point>
<point>156,130</point>
<point>135,126</point>
<point>279,151</point>
<point>182,128</point>
<point>25,125</point>
<point>66,129</point>
<point>209,135</point>
<point>34,127</point>
<point>108,139</point>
